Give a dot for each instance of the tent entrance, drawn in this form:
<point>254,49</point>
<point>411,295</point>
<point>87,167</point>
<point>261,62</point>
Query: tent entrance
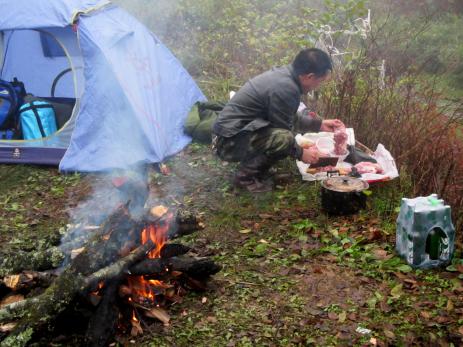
<point>47,61</point>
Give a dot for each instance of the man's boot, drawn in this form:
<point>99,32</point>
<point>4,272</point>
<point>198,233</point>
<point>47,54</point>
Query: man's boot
<point>252,175</point>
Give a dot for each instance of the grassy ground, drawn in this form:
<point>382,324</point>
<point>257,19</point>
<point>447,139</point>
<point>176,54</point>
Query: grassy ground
<point>291,275</point>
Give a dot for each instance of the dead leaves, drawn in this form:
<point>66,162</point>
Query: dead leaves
<point>11,299</point>
<point>159,314</point>
<point>381,254</point>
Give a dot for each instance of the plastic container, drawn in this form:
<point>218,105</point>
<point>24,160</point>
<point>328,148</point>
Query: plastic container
<point>325,145</point>
<point>425,235</point>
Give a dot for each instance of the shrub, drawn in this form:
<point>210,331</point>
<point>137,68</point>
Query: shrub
<point>423,135</point>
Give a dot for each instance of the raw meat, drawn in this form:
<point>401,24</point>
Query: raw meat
<point>367,167</point>
<point>340,141</point>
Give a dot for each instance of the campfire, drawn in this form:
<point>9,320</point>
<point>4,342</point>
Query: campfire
<point>126,275</point>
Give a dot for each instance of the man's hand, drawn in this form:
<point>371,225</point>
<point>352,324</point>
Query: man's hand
<point>310,155</point>
<point>331,125</point>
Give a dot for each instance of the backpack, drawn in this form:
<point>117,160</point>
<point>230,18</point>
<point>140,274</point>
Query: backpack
<point>36,120</point>
<point>199,122</point>
<point>11,97</point>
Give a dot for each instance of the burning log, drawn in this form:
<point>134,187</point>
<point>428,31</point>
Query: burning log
<point>120,268</point>
<point>198,268</point>
<point>170,250</point>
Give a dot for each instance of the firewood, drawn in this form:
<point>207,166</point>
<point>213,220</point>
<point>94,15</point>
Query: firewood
<point>170,250</point>
<point>119,268</point>
<point>199,268</point>
<point>120,222</point>
<point>102,324</point>
<point>28,280</point>
<point>44,308</point>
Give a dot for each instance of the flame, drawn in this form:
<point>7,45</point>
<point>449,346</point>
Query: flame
<point>97,290</point>
<point>143,289</point>
<point>134,317</point>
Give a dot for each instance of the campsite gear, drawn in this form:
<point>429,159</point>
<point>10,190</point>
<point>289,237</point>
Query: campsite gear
<point>343,195</point>
<point>200,120</point>
<point>37,119</point>
<point>425,234</point>
<point>11,97</point>
<point>122,77</point>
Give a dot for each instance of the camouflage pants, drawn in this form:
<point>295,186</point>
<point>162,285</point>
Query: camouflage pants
<point>259,149</point>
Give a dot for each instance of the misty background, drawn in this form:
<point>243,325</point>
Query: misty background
<point>223,43</point>
<point>398,78</point>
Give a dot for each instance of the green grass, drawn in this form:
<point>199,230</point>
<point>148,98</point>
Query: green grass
<point>291,275</point>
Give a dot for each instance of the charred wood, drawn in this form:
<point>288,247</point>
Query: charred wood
<point>198,268</point>
<point>28,280</point>
<point>102,324</point>
<point>119,268</point>
<point>170,250</point>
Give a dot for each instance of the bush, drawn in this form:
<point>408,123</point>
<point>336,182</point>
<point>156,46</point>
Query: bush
<point>423,136</point>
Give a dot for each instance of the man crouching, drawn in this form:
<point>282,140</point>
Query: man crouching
<point>255,127</point>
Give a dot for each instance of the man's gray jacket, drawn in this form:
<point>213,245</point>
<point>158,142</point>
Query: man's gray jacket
<point>269,99</point>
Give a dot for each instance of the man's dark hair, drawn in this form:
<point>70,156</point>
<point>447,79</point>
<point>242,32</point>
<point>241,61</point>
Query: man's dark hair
<point>312,60</point>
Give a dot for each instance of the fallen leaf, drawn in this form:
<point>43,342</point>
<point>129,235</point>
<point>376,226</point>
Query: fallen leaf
<point>384,306</point>
<point>332,316</point>
<point>211,319</point>
<point>11,299</point>
<point>381,254</point>
<point>265,216</point>
<point>389,334</point>
<point>136,328</point>
<point>400,275</point>
<point>425,314</point>
<point>375,234</point>
<point>460,330</point>
<point>6,328</point>
<point>203,300</point>
<point>160,314</point>
<point>397,292</point>
<point>342,317</point>
<point>443,320</point>
<point>245,231</point>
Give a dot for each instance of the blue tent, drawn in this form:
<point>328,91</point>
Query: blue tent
<point>127,95</point>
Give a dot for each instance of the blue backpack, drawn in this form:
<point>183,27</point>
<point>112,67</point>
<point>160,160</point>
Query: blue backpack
<point>11,97</point>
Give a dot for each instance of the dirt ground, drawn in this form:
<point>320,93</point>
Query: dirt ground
<point>291,275</point>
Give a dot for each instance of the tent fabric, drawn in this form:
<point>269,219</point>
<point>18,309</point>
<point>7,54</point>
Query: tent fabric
<point>36,14</point>
<point>134,94</point>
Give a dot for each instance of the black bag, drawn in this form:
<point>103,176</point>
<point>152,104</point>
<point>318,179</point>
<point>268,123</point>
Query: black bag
<point>356,156</point>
